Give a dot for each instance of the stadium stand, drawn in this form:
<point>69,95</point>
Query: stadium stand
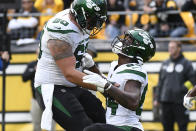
<point>189,22</point>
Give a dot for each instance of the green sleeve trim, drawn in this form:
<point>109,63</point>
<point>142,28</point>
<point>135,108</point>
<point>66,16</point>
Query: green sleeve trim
<point>62,31</point>
<point>39,89</point>
<point>40,51</point>
<point>139,109</point>
<point>133,72</point>
<point>113,105</point>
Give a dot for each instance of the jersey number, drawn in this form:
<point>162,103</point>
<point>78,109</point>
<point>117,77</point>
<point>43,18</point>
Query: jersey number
<point>80,50</point>
<point>63,22</point>
<point>113,105</point>
<point>146,39</point>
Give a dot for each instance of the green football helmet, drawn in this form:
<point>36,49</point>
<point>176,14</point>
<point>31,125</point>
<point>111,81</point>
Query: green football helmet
<point>136,44</point>
<point>90,14</point>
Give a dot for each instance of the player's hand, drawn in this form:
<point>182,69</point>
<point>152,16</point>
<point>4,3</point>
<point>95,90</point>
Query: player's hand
<point>188,101</point>
<point>87,61</point>
<point>97,80</point>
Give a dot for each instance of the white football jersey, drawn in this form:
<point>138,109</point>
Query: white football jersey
<point>117,114</point>
<point>59,27</point>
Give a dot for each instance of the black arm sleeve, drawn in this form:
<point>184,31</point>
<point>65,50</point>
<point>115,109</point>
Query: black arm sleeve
<point>29,73</point>
<point>190,73</point>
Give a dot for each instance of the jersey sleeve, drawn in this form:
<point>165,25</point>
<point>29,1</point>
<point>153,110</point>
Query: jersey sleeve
<point>133,74</point>
<point>60,30</point>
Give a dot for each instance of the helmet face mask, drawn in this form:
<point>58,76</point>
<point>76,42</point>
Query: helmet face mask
<point>90,14</point>
<point>136,44</point>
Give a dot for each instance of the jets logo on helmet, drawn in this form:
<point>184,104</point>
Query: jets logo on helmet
<point>136,44</point>
<point>146,39</point>
<point>90,4</point>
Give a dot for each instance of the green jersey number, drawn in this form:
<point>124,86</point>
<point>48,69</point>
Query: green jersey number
<point>113,105</point>
<point>79,54</point>
<point>63,22</point>
<point>40,44</point>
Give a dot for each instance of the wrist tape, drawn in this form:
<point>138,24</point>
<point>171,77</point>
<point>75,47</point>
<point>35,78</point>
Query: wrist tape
<point>108,85</point>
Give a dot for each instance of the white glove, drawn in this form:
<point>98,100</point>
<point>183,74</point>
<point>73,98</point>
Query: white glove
<point>87,60</point>
<point>188,101</point>
<point>104,76</point>
<point>97,80</point>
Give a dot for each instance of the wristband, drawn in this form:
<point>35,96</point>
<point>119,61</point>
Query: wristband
<point>108,85</point>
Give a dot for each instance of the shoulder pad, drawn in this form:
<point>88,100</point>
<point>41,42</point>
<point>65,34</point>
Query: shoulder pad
<point>58,25</point>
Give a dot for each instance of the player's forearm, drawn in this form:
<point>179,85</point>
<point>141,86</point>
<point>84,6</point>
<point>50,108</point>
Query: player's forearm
<point>127,100</point>
<point>76,77</point>
<point>66,61</point>
<point>95,69</point>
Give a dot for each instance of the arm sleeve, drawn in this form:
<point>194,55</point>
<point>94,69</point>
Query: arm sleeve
<point>135,75</point>
<point>14,24</point>
<point>159,86</point>
<point>31,22</point>
<point>28,73</point>
<point>190,73</point>
<point>59,34</point>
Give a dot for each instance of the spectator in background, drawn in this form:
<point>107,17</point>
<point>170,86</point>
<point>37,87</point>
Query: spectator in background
<point>36,111</point>
<point>169,25</point>
<point>180,3</point>
<point>50,7</point>
<point>140,4</point>
<point>130,5</point>
<point>147,21</point>
<point>4,56</point>
<point>115,24</point>
<point>67,3</point>
<point>23,28</point>
<point>190,5</point>
<point>171,90</point>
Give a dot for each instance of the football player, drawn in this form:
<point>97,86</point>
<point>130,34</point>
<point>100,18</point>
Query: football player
<point>125,102</point>
<point>189,97</point>
<point>58,78</point>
